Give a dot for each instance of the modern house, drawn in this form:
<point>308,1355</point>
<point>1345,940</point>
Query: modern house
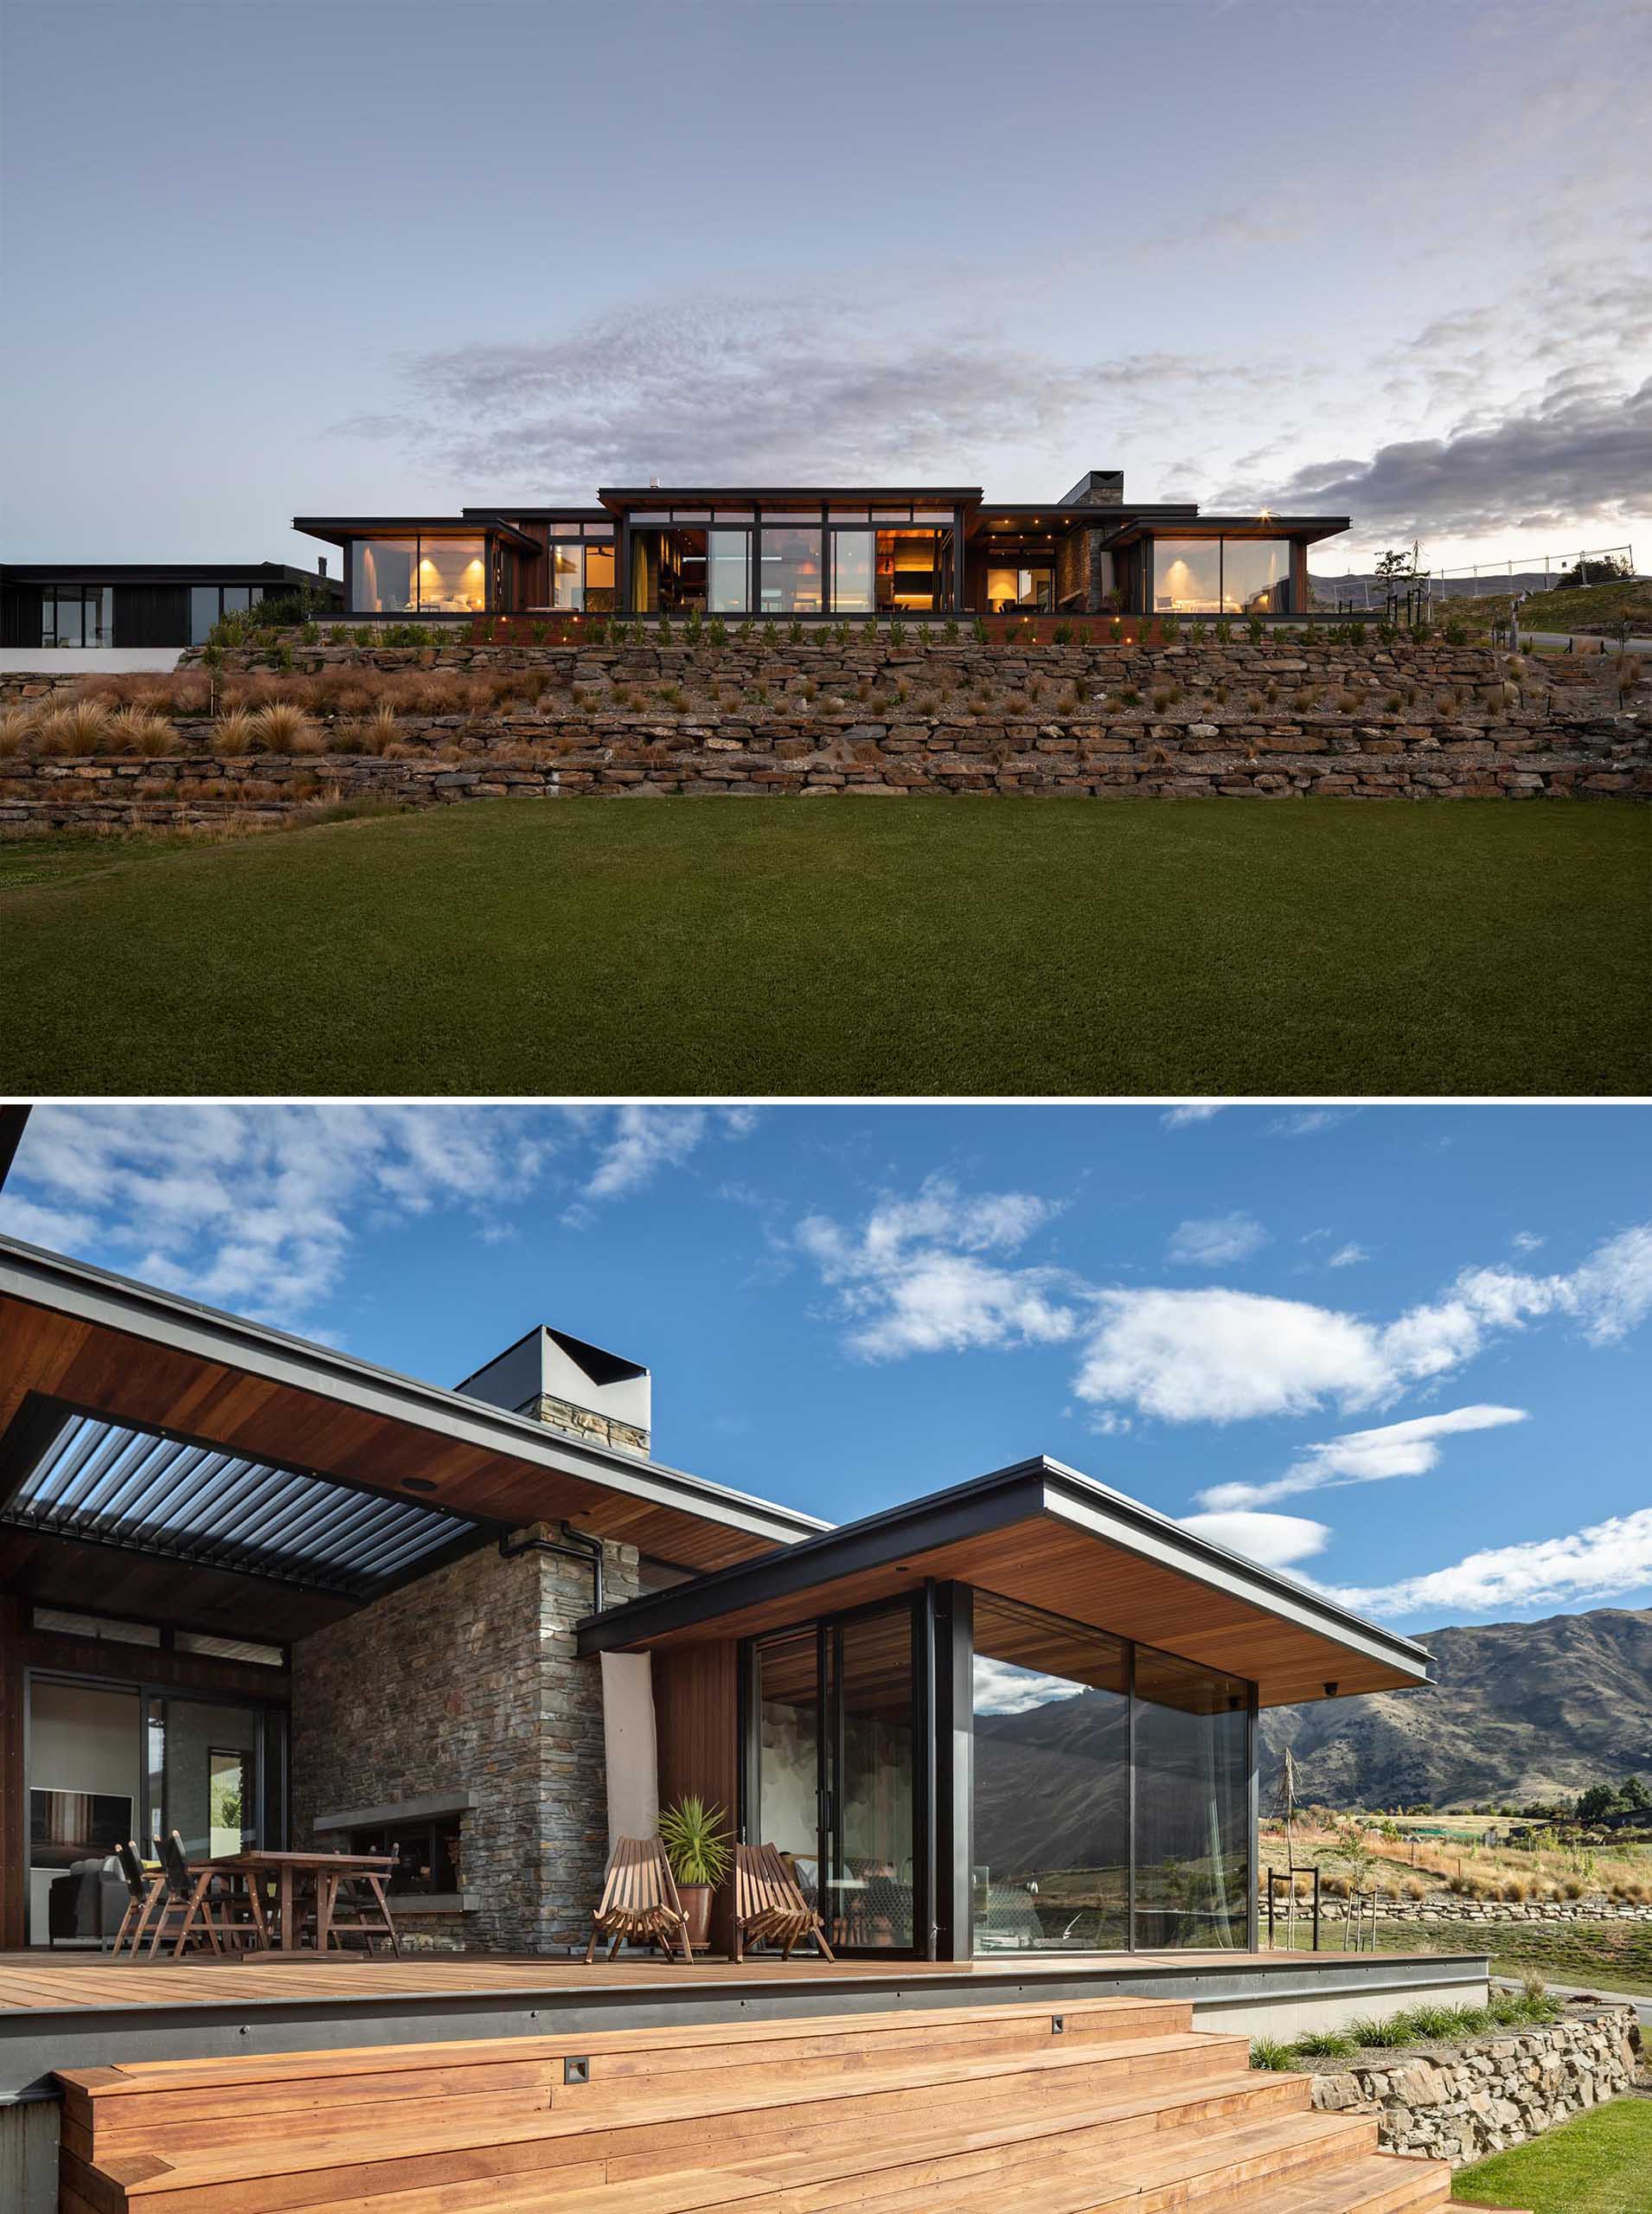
<point>814,554</point>
<point>262,1593</point>
<point>102,604</point>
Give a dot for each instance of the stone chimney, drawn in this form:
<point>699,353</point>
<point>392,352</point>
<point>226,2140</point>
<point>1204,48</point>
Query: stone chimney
<point>571,1386</point>
<point>1097,488</point>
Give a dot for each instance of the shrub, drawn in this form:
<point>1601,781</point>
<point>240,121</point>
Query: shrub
<point>233,733</point>
<point>1224,632</point>
<point>17,729</point>
<point>979,631</point>
<point>1256,627</point>
<point>379,731</point>
<point>1062,633</point>
<point>136,730</point>
<point>717,632</point>
<point>78,727</point>
<point>1375,2033</point>
<point>1325,2045</point>
<point>1273,2053</point>
<point>1116,630</point>
<point>950,630</point>
<point>283,728</point>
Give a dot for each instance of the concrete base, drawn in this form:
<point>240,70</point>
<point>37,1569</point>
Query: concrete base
<point>1289,2015</point>
<point>28,2156</point>
<point>86,660</point>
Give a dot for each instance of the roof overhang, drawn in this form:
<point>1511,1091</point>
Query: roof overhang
<point>76,1336</point>
<point>1040,1533</point>
<point>618,497</point>
<point>340,530</point>
<point>1305,528</point>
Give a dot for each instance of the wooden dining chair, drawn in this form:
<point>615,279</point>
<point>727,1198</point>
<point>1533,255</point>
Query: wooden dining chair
<point>344,1914</point>
<point>639,1902</point>
<point>769,1904</point>
<point>189,1912</point>
<point>144,1887</point>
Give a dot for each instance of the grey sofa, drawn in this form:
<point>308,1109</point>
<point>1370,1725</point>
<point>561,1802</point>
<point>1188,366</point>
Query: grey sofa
<point>86,1905</point>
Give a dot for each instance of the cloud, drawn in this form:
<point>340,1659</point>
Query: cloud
<point>1579,451</point>
<point>644,1140</point>
<point>257,1206</point>
<point>1003,1688</point>
<point>1276,1540</point>
<point>1193,1110</point>
<point>1215,1241</point>
<point>1347,1257</point>
<point>1308,1122</point>
<point>1527,1241</point>
<point>917,1276</point>
<point>1608,1559</point>
<point>1221,1355</point>
<point>1365,1456</point>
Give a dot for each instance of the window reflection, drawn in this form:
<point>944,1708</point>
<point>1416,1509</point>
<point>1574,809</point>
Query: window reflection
<point>1052,1783</point>
<point>729,558</point>
<point>1187,576</point>
<point>1193,1805</point>
<point>567,576</point>
<point>77,614</point>
<point>382,575</point>
<point>790,570</point>
<point>909,570</point>
<point>852,559</point>
<point>1256,576</point>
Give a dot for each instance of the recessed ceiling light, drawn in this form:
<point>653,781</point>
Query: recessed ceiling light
<point>417,1483</point>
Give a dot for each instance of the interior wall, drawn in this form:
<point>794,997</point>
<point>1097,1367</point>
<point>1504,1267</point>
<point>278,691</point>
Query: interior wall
<point>81,1737</point>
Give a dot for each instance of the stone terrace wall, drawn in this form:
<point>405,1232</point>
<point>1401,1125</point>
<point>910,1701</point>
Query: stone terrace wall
<point>1448,1906</point>
<point>1462,2104</point>
<point>467,1679</point>
<point>1282,719</point>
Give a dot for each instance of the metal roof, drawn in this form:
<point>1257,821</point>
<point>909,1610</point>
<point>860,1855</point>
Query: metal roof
<point>104,1483</point>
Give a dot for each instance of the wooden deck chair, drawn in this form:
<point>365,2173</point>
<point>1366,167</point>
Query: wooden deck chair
<point>769,1905</point>
<point>639,1901</point>
<point>351,1903</point>
<point>143,1887</point>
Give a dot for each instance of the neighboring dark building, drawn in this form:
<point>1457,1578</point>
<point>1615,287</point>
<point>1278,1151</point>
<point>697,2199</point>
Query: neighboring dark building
<point>138,603</point>
<point>815,552</point>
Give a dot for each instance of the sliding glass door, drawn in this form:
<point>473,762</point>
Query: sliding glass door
<point>834,1761</point>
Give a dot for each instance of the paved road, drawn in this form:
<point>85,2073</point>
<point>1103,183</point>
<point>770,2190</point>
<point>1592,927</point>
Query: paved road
<point>1643,2005</point>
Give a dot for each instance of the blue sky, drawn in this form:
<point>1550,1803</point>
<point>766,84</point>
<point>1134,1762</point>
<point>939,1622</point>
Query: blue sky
<point>1406,1347</point>
<point>341,254</point>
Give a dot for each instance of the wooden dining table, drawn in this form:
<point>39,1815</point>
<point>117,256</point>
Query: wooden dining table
<point>294,1874</point>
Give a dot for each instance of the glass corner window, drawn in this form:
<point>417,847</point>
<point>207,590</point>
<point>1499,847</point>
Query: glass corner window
<point>1187,576</point>
<point>382,575</point>
<point>452,576</point>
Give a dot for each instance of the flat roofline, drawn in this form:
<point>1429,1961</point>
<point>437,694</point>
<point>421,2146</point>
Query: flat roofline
<point>540,514</point>
<point>1306,527</point>
<point>32,1274</point>
<point>339,530</point>
<point>677,495</point>
<point>1038,1486</point>
<point>169,571</point>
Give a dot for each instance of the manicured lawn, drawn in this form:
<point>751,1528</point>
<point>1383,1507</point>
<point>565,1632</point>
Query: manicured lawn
<point>1601,2163</point>
<point>851,946</point>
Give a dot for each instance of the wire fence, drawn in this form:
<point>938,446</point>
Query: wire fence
<point>1532,572</point>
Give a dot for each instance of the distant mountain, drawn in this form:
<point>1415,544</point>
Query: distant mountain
<point>1521,1711</point>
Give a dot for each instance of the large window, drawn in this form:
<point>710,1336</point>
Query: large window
<point>1221,576</point>
<point>1111,1792</point>
<point>910,580</point>
<point>791,569</point>
<point>1051,1851</point>
<point>77,614</point>
<point>1193,1805</point>
<point>419,576</point>
<point>730,571</point>
<point>208,602</point>
<point>1009,589</point>
<point>854,569</point>
<point>582,577</point>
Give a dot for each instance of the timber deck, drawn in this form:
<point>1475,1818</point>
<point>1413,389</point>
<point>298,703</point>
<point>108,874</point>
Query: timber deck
<point>1111,2106</point>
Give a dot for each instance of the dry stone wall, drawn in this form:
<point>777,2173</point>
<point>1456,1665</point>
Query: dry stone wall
<point>1460,2103</point>
<point>1284,718</point>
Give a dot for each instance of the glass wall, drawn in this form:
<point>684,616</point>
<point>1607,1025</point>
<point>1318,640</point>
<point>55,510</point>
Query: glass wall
<point>418,575</point>
<point>1051,1851</point>
<point>909,571</point>
<point>872,1871</point>
<point>1193,1805</point>
<point>1111,1792</point>
<point>77,614</point>
<point>787,1715</point>
<point>1221,576</point>
<point>729,558</point>
<point>1256,576</point>
<point>854,567</point>
<point>1008,589</point>
<point>791,569</point>
<point>208,602</point>
<point>582,577</point>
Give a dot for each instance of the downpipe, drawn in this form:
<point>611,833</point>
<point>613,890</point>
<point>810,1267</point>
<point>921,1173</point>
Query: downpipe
<point>572,1545</point>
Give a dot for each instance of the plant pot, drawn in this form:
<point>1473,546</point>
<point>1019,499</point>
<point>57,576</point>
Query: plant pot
<point>696,1904</point>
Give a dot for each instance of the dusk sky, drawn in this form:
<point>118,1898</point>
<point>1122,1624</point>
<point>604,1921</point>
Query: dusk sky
<point>344,257</point>
<point>1400,1350</point>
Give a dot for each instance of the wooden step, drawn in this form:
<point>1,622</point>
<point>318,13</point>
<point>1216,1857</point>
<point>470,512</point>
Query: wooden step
<point>1383,2183</point>
<point>657,2122</point>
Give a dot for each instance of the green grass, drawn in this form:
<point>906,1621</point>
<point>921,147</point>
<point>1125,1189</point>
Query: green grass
<point>929,945</point>
<point>1616,1955</point>
<point>1599,2163</point>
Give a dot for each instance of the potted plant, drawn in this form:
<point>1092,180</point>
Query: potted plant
<point>697,1841</point>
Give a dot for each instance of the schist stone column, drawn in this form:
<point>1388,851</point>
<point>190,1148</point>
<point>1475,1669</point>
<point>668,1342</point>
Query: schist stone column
<point>465,1682</point>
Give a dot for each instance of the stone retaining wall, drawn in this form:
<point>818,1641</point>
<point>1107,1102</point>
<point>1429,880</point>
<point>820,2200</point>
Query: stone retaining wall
<point>1280,719</point>
<point>1460,2103</point>
<point>1448,1906</point>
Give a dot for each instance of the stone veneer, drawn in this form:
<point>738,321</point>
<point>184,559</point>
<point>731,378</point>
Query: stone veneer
<point>584,1422</point>
<point>1285,718</point>
<point>1448,1906</point>
<point>1460,2102</point>
<point>467,1679</point>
